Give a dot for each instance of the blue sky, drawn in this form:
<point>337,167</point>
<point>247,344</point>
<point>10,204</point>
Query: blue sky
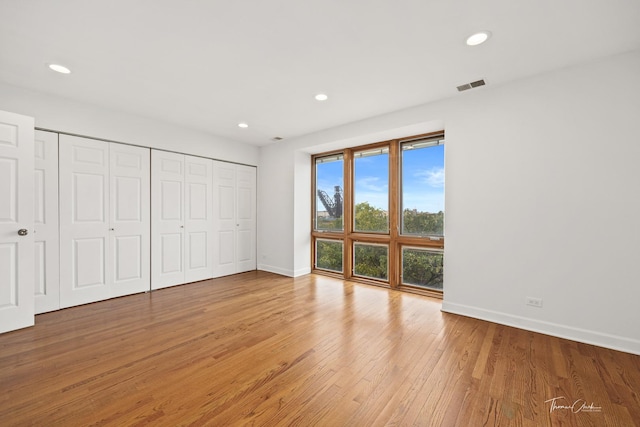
<point>423,179</point>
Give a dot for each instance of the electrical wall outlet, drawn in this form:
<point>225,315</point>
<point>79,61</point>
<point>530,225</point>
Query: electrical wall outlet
<point>534,302</point>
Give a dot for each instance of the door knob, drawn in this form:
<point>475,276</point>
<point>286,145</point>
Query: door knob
<point>23,232</point>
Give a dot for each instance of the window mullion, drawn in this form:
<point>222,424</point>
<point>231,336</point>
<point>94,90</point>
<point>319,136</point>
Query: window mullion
<point>347,214</point>
<point>394,200</point>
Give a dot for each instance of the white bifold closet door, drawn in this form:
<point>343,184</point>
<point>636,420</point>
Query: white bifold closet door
<point>46,227</point>
<point>130,218</point>
<point>104,220</point>
<point>16,221</point>
<point>198,221</point>
<point>167,219</point>
<point>234,218</point>
<point>182,226</point>
<point>246,217</point>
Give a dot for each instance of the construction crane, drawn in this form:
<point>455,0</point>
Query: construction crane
<point>333,207</point>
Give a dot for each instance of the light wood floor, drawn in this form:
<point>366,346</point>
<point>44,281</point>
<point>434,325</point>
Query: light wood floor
<point>261,349</point>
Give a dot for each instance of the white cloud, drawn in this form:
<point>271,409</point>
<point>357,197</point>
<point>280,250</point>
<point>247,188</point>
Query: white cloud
<point>433,177</point>
<point>371,183</point>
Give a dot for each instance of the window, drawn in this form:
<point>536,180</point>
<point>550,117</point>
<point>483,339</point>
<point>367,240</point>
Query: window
<point>371,190</point>
<point>378,213</point>
<point>422,267</point>
<point>329,255</point>
<point>423,188</point>
<point>371,260</point>
<point>329,182</point>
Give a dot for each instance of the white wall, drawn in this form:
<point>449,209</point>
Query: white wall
<point>64,115</point>
<point>275,212</point>
<point>542,199</point>
<point>302,213</point>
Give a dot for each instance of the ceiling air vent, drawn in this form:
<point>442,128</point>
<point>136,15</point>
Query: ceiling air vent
<point>471,85</point>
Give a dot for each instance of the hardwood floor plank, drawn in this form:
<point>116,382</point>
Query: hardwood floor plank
<point>266,350</point>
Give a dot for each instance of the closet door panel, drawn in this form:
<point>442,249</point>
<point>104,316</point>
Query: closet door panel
<point>197,250</point>
<point>46,226</point>
<point>246,218</point>
<point>129,264</point>
<point>89,265</point>
<point>16,213</point>
<point>130,219</point>
<point>224,208</point>
<point>171,252</point>
<point>198,219</point>
<point>167,219</point>
<point>84,221</point>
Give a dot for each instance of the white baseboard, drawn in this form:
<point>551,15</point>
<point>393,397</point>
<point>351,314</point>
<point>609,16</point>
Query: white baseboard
<point>283,271</point>
<point>301,272</point>
<point>614,342</point>
<point>276,270</point>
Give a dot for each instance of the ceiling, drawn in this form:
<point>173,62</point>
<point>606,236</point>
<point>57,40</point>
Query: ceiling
<point>209,65</point>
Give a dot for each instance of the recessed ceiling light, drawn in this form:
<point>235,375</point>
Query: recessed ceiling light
<point>321,97</point>
<point>59,68</point>
<point>243,125</point>
<point>478,38</point>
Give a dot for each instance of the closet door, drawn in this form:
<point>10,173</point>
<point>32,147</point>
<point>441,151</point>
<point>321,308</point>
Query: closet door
<point>167,219</point>
<point>129,232</point>
<point>84,221</point>
<point>46,227</point>
<point>245,218</point>
<point>198,223</point>
<point>16,221</point>
<point>224,208</point>
<point>234,207</point>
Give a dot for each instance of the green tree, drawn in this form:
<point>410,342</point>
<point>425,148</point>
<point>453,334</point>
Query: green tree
<point>419,267</point>
<point>329,224</point>
<point>422,268</point>
<point>370,218</point>
<point>422,223</point>
<point>329,255</point>
<point>371,261</point>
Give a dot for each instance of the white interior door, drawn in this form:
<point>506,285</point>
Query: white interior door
<point>84,221</point>
<point>16,221</point>
<point>167,219</point>
<point>245,218</point>
<point>224,209</point>
<point>198,225</point>
<point>129,232</point>
<point>46,226</point>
